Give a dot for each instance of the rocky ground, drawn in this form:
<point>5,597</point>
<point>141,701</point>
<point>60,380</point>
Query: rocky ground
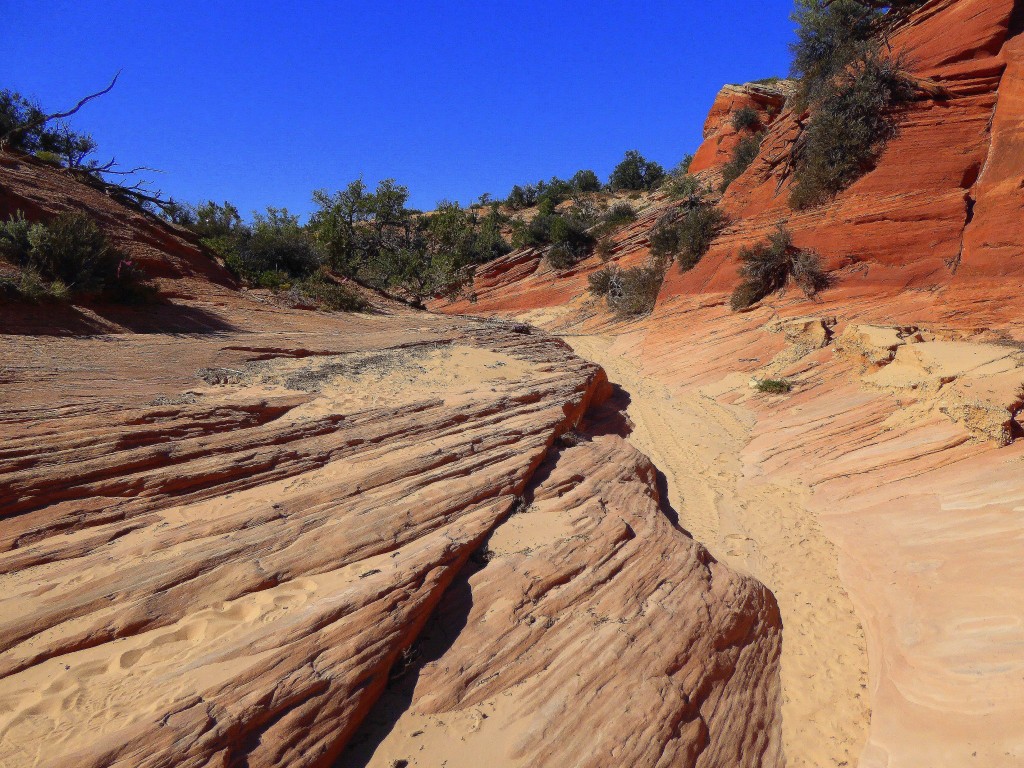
<point>235,532</point>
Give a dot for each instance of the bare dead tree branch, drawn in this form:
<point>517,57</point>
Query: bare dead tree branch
<point>57,115</point>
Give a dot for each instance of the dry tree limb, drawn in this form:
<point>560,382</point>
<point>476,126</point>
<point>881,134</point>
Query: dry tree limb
<point>57,115</point>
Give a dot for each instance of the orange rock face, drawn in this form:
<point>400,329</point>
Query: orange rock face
<point>720,136</point>
<point>902,225</point>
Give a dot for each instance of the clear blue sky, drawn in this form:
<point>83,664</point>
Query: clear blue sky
<point>262,102</point>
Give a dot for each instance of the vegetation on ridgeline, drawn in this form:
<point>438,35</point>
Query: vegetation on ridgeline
<point>25,127</point>
<point>850,84</point>
<point>848,87</point>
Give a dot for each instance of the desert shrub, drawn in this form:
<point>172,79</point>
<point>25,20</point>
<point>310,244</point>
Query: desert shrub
<point>746,118</point>
<point>69,254</point>
<point>604,248</point>
<point>664,237</point>
<point>276,243</point>
<point>330,295</point>
<point>585,181</point>
<point>600,282</point>
<point>522,197</point>
<point>830,35</point>
<point>490,243</point>
<point>683,186</point>
<point>774,386</point>
<point>742,156</point>
<point>687,234</point>
<point>628,292</point>
<point>618,215</point>
<point>848,130</point>
<point>565,255</point>
<point>767,266</point>
<point>635,173</point>
<point>567,235</point>
<point>53,142</point>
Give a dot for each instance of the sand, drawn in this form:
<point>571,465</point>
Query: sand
<point>767,531</point>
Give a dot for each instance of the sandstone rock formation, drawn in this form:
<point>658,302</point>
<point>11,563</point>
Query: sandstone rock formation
<point>892,469</point>
<point>235,533</point>
<point>720,137</point>
<point>217,547</point>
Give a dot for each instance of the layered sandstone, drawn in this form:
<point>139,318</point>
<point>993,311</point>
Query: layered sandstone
<point>890,474</point>
<point>217,547</point>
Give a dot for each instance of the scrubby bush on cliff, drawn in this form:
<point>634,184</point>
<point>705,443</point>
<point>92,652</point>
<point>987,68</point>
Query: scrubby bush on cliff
<point>766,268</point>
<point>68,255</point>
<point>684,186</point>
<point>848,130</point>
<point>745,119</point>
<point>628,292</point>
<point>850,84</point>
<point>686,234</point>
<point>830,35</point>
<point>774,386</point>
<point>617,216</point>
<point>566,235</point>
<point>742,156</point>
<point>635,173</point>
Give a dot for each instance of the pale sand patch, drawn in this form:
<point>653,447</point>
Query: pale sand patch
<point>766,530</point>
<point>341,384</point>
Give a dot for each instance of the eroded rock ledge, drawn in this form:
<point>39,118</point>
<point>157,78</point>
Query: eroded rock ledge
<point>215,548</point>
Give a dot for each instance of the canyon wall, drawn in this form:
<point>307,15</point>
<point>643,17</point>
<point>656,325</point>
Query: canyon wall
<point>900,443</point>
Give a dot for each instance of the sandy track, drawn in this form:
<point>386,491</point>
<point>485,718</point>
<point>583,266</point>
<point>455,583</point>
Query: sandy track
<point>763,529</point>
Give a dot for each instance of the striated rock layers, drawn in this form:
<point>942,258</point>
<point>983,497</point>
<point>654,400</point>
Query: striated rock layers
<point>892,470</point>
<point>216,548</point>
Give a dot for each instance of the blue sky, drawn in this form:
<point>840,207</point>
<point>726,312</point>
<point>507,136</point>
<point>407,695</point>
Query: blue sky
<point>261,102</point>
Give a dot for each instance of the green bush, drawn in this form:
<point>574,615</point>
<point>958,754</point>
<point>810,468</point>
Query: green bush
<point>742,157</point>
<point>684,186</point>
<point>618,215</point>
<point>330,295</point>
<point>68,255</point>
<point>277,243</point>
<point>766,268</point>
<point>628,292</point>
<point>774,386</point>
<point>566,255</point>
<point>687,234</point>
<point>746,119</point>
<point>51,141</point>
<point>848,130</point>
<point>522,197</point>
<point>636,173</point>
<point>830,35</point>
<point>585,181</point>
